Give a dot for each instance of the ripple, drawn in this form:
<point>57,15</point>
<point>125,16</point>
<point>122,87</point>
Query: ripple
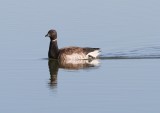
<point>138,53</point>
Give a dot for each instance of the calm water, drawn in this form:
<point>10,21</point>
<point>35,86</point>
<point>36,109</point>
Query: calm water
<point>126,80</point>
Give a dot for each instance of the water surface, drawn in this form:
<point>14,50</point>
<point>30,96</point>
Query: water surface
<point>126,79</point>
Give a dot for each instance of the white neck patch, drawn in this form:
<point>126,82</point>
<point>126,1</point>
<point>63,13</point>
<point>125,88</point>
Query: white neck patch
<point>54,40</point>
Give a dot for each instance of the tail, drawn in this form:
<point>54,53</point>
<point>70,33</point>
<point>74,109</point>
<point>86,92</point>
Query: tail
<point>94,54</point>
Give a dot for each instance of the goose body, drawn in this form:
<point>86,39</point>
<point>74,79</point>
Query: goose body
<point>69,53</point>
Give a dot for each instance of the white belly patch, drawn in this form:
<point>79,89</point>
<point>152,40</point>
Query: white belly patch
<point>75,56</point>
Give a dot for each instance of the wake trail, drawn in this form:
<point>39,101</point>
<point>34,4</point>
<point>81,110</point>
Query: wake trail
<point>138,53</point>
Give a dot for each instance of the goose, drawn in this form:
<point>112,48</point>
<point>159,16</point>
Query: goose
<point>69,53</point>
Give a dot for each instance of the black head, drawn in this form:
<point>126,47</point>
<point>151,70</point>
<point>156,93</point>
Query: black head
<point>52,34</point>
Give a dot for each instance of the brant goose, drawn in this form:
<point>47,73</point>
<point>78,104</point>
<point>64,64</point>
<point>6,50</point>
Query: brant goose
<point>69,53</point>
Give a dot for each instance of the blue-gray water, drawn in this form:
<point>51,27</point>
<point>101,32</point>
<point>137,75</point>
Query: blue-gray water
<point>125,81</point>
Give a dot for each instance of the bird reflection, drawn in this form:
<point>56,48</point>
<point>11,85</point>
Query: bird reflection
<point>54,66</point>
<point>53,69</point>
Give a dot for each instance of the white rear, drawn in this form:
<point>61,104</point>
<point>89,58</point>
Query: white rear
<point>94,54</point>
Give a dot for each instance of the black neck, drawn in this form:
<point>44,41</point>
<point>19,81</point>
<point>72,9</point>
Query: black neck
<point>53,49</point>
